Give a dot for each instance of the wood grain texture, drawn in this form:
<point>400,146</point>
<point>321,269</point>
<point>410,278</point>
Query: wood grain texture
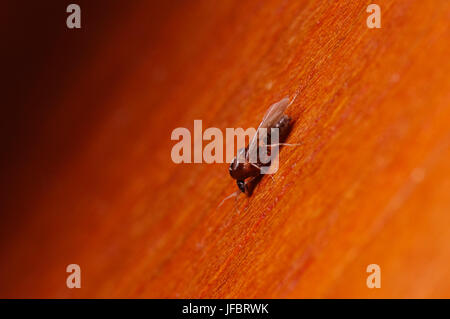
<point>370,184</point>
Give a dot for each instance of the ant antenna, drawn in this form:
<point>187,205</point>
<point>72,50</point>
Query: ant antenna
<point>235,194</point>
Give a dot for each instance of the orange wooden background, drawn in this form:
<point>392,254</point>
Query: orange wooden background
<point>88,177</point>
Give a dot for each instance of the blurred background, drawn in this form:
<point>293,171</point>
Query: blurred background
<point>87,178</point>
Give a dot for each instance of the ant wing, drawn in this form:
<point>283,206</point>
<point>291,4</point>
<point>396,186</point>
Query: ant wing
<point>272,116</point>
<point>241,154</point>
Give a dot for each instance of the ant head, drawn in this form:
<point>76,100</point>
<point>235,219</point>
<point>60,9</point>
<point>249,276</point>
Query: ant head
<point>241,185</point>
<point>241,170</point>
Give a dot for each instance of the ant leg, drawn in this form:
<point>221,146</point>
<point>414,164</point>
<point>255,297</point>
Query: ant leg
<point>253,164</point>
<point>236,206</point>
<point>235,194</point>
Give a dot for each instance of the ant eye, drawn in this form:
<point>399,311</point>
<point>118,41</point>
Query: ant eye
<point>241,186</point>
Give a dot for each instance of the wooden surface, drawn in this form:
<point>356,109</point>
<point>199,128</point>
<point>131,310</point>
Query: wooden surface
<point>88,177</point>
